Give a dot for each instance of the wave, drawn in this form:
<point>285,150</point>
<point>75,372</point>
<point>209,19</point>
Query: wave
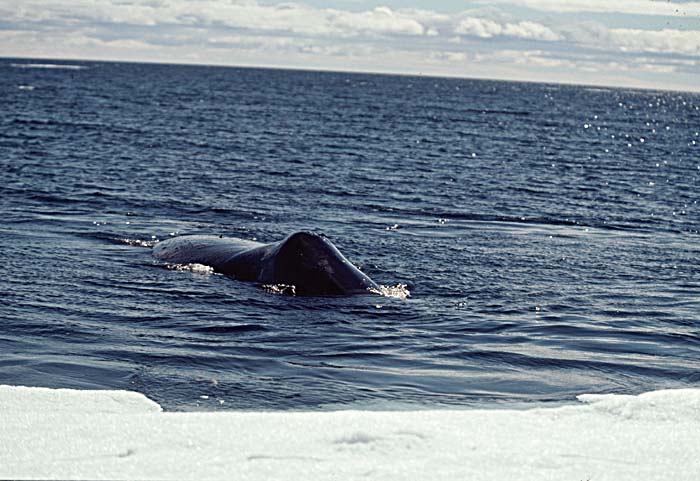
<point>50,122</point>
<point>442,216</point>
<point>64,66</point>
<point>230,329</point>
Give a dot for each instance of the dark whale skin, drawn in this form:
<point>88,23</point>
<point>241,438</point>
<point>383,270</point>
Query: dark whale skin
<point>307,261</point>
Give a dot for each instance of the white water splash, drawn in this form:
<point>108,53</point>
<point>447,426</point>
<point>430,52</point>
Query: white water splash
<point>139,242</point>
<point>280,289</point>
<point>195,268</point>
<point>399,291</point>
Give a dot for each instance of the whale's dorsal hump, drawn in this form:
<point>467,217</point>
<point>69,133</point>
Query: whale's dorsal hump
<point>310,262</point>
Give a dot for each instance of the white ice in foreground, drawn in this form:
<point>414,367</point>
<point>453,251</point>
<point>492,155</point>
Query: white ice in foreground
<point>66,434</point>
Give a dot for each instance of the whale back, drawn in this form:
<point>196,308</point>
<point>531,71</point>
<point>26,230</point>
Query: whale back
<point>209,250</point>
<point>307,261</point>
<point>312,264</point>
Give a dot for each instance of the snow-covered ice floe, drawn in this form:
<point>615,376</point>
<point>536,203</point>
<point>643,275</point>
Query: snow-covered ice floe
<point>68,434</point>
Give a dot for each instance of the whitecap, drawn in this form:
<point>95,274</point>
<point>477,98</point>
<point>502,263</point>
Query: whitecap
<point>49,66</point>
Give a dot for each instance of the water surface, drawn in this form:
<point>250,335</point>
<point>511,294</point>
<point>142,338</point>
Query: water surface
<point>548,235</point>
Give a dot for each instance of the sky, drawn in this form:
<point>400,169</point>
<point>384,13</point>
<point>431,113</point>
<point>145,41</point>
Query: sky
<point>631,43</point>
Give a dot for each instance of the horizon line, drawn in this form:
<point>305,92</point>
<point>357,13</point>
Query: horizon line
<point>360,72</point>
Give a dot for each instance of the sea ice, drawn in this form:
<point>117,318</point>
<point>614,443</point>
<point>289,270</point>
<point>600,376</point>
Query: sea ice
<point>69,434</point>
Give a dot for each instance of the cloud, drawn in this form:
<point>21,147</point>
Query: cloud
<point>381,20</point>
<point>666,41</point>
<point>589,35</point>
<point>243,15</point>
<point>484,28</point>
<point>208,18</point>
<point>479,27</point>
<point>650,41</point>
<point>290,44</point>
<point>548,62</point>
<point>633,7</point>
<point>489,41</point>
<point>448,57</point>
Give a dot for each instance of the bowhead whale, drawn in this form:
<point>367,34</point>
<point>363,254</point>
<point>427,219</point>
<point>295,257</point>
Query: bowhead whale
<point>307,261</point>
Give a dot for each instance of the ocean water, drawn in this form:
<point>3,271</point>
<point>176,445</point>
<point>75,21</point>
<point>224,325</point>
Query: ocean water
<point>548,235</point>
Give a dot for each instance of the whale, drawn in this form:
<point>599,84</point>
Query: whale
<point>303,263</point>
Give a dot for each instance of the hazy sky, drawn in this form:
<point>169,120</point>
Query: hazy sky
<point>608,42</point>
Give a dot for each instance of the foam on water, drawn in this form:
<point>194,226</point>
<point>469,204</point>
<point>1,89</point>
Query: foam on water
<point>140,242</point>
<point>280,289</point>
<point>399,291</point>
<point>194,268</point>
<point>63,66</point>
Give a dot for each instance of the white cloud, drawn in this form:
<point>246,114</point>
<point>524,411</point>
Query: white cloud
<point>380,20</point>
<point>244,15</point>
<point>541,59</point>
<point>531,30</point>
<point>122,44</point>
<point>479,27</point>
<point>488,41</point>
<point>666,41</point>
<point>595,35</point>
<point>484,28</point>
<point>250,17</point>
<point>449,57</point>
<point>635,7</point>
<point>290,44</point>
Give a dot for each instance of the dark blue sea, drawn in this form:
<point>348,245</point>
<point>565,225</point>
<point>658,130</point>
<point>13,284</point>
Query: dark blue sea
<point>548,236</point>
